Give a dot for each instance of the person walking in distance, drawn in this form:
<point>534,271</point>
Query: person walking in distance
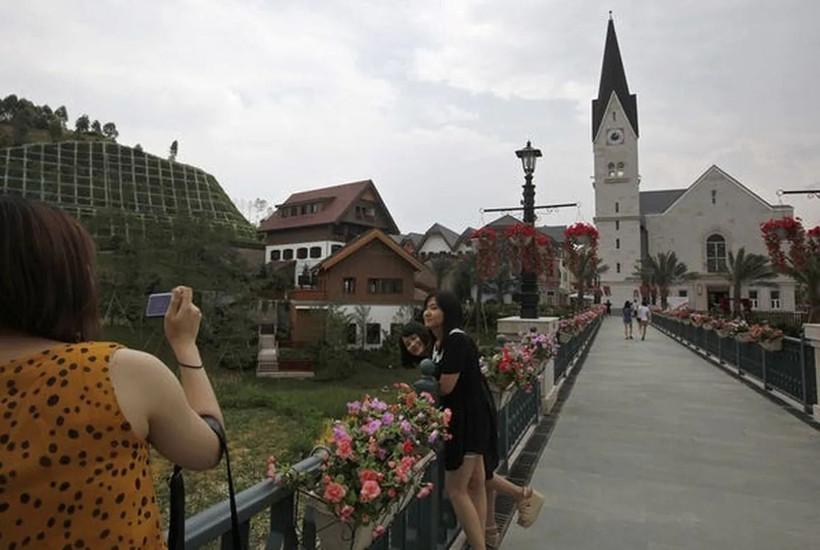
<point>627,313</point>
<point>643,319</point>
<point>608,307</point>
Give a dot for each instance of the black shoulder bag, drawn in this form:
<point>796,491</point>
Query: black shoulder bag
<point>176,529</point>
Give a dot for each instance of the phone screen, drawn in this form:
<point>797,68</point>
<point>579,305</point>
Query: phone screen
<point>157,304</point>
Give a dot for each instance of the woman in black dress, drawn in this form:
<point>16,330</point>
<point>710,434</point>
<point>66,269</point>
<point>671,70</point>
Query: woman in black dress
<point>416,343</point>
<point>472,428</point>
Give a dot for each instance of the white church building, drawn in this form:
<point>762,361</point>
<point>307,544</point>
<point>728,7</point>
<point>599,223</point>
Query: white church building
<point>701,224</point>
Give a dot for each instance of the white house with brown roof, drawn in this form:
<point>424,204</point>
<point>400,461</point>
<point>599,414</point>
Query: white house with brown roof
<point>701,223</point>
<point>312,225</point>
<point>371,274</point>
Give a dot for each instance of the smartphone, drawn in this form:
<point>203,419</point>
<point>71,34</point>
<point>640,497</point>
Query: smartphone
<point>158,304</point>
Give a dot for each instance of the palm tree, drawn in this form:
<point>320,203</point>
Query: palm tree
<point>665,271</point>
<point>747,269</point>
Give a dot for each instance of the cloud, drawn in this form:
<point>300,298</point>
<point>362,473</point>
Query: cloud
<point>430,99</point>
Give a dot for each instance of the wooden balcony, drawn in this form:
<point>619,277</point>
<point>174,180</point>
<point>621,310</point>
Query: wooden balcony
<point>307,295</point>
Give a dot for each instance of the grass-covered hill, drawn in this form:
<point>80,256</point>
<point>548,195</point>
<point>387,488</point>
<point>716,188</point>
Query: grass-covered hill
<point>112,188</point>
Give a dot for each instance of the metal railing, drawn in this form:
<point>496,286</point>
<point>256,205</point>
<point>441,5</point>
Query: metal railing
<point>790,371</point>
<point>424,524</point>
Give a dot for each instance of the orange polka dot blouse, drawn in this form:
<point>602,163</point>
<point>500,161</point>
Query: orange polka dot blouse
<point>72,472</point>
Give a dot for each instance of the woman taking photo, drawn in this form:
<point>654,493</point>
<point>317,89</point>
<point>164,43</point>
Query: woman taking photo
<point>416,344</point>
<point>77,415</point>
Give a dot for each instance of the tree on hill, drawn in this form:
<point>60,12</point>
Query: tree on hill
<point>62,115</point>
<point>172,152</point>
<point>82,124</point>
<point>96,127</point>
<point>109,130</point>
<point>138,147</point>
<point>55,129</point>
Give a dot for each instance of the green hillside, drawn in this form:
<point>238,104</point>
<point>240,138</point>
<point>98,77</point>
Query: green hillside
<point>117,191</point>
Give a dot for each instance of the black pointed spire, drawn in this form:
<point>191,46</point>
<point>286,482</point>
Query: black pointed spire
<point>613,79</point>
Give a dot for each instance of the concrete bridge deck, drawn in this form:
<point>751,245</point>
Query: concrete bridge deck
<point>658,449</point>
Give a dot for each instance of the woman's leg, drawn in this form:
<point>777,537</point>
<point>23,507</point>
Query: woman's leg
<point>490,523</point>
<point>506,487</point>
<point>459,489</point>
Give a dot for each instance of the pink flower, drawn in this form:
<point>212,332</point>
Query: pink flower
<point>378,531</point>
<point>372,427</point>
<point>446,416</point>
<point>346,513</point>
<point>344,449</point>
<point>425,490</point>
<point>369,475</point>
<point>406,427</point>
<point>354,407</point>
<point>373,446</point>
<point>370,491</point>
<point>391,493</point>
<point>334,492</point>
<point>433,437</point>
<point>427,396</point>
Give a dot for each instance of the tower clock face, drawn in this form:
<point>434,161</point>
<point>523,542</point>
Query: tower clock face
<point>615,136</point>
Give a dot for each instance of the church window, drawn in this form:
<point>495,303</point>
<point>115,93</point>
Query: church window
<point>618,267</point>
<point>620,171</point>
<point>617,207</point>
<point>613,115</point>
<point>617,244</point>
<point>714,196</point>
<point>683,293</point>
<point>715,254</point>
<point>617,225</point>
<point>611,169</point>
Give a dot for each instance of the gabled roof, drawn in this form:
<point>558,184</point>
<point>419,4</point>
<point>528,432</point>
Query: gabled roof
<point>336,200</point>
<point>414,238</point>
<point>465,236</point>
<point>613,80</point>
<point>450,237</point>
<point>714,169</point>
<point>554,232</point>
<point>656,202</point>
<point>360,242</point>
<point>503,221</point>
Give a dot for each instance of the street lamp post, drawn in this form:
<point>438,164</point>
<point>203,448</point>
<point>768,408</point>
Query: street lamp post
<point>529,283</point>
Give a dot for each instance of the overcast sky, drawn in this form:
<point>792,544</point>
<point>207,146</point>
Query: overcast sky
<point>430,99</point>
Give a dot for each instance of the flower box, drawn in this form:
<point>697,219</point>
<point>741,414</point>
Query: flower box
<point>707,326</point>
<point>502,396</point>
<point>565,337</point>
<point>772,345</point>
<point>335,534</point>
<point>724,332</point>
<point>744,337</point>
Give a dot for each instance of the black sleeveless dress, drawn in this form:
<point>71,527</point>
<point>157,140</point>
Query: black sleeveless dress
<point>473,426</point>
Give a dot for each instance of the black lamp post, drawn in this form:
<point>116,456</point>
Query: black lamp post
<point>529,283</point>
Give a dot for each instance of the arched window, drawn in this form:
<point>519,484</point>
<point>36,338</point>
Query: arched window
<point>611,169</point>
<point>715,254</point>
<point>620,171</point>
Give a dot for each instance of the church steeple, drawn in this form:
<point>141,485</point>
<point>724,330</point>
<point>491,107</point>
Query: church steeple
<point>613,79</point>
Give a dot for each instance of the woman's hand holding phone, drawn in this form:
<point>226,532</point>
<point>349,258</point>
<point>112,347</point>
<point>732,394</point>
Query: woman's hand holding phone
<point>182,326</point>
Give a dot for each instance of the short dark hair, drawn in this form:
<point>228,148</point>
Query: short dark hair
<point>413,328</point>
<point>47,279</point>
<point>450,306</point>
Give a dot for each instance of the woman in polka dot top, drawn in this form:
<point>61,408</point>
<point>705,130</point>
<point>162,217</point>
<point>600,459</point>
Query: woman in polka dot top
<point>76,414</point>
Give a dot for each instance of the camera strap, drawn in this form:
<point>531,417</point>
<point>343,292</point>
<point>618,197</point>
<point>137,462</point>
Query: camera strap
<point>176,529</point>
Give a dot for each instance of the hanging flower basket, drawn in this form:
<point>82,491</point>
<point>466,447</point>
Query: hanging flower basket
<point>335,534</point>
<point>707,326</point>
<point>769,338</point>
<point>723,332</point>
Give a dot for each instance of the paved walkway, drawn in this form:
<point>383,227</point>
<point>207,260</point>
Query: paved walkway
<point>658,449</point>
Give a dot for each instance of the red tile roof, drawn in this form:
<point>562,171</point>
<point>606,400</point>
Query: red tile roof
<point>336,200</point>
